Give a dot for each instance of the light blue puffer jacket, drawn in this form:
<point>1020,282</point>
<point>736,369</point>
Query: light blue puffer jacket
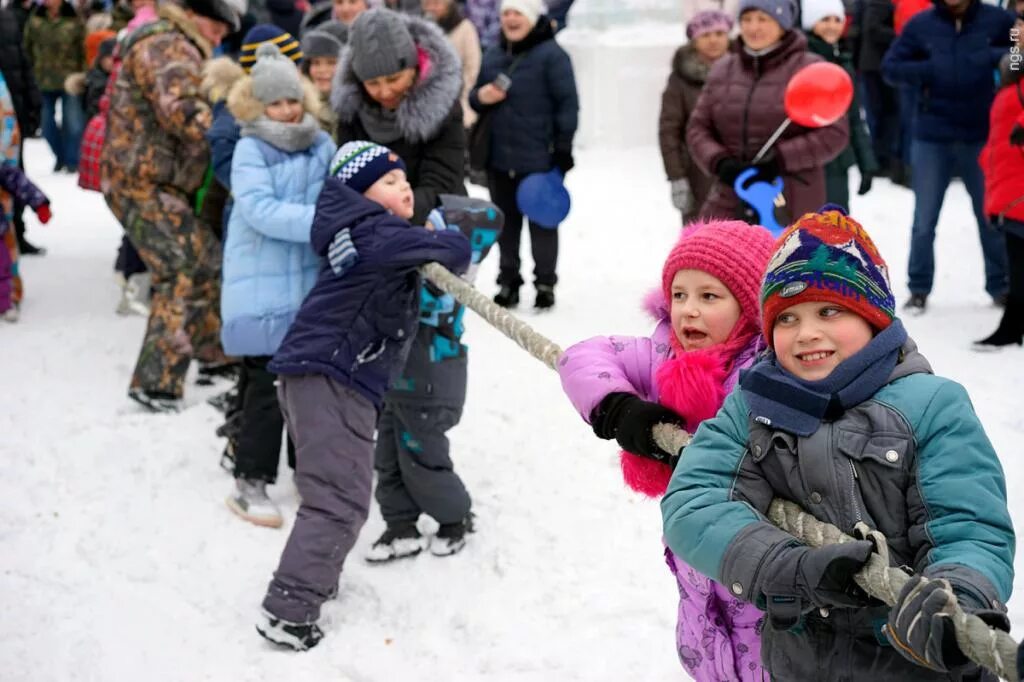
<point>269,266</point>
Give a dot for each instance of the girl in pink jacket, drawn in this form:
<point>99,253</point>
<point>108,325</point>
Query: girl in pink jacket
<point>707,313</point>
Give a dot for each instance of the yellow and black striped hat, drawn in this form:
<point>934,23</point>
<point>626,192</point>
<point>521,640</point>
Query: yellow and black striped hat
<point>268,33</point>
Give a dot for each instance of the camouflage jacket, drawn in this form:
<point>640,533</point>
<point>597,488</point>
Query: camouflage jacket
<point>158,119</point>
<point>55,46</point>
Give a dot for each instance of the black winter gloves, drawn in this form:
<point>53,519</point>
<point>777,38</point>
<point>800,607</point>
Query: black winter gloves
<point>921,626</point>
<point>562,158</point>
<point>1017,135</point>
<point>729,168</point>
<point>629,420</point>
<point>800,578</point>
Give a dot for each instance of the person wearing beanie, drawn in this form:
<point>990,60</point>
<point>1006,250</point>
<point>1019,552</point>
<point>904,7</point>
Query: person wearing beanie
<point>277,172</point>
<point>707,36</point>
<point>154,159</point>
<point>322,48</point>
<point>268,33</point>
<point>949,127</point>
<point>97,75</point>
<point>528,105</point>
<point>335,364</point>
<point>823,22</point>
<point>844,417</point>
<point>707,309</point>
<point>463,36</point>
<point>743,105</point>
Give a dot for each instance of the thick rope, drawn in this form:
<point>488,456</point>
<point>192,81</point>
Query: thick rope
<point>988,647</point>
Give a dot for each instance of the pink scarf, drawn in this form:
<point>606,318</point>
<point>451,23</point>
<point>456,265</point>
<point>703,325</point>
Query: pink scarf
<point>692,384</point>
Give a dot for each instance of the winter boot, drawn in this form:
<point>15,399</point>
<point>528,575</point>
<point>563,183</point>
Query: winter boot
<point>397,542</point>
<point>251,502</point>
<point>211,371</point>
<point>507,296</point>
<point>916,304</point>
<point>156,401</point>
<point>223,402</point>
<point>1010,331</point>
<point>11,314</point>
<point>545,297</point>
<point>297,636</point>
<point>135,295</point>
<point>451,537</point>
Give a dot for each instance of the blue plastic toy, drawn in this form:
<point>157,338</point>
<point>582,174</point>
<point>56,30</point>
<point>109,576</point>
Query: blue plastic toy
<point>762,198</point>
<point>543,198</point>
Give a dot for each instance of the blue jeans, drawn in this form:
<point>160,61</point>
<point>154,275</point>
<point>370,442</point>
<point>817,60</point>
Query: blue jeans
<point>935,164</point>
<point>64,140</point>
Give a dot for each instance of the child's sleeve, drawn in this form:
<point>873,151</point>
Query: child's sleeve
<point>592,369</point>
<point>252,187</point>
<point>962,503</point>
<point>402,245</point>
<point>712,511</point>
<point>14,180</point>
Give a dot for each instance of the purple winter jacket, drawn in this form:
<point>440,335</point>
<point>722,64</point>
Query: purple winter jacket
<point>718,637</point>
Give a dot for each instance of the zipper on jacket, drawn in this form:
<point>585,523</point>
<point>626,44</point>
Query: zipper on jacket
<point>853,492</point>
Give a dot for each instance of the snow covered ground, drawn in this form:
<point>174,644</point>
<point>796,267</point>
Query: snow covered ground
<point>119,560</point>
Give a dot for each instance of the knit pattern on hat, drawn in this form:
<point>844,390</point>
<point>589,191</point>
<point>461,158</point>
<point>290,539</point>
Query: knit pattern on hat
<point>274,77</point>
<point>381,44</point>
<point>813,11</point>
<point>731,250</point>
<point>782,11</point>
<point>827,257</point>
<point>708,21</point>
<point>268,33</point>
<point>317,43</point>
<point>360,163</point>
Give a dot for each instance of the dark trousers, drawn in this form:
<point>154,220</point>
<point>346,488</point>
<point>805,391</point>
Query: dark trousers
<point>543,240</point>
<point>128,261</point>
<point>882,111</point>
<point>414,470</point>
<point>935,165</point>
<point>66,138</point>
<point>258,447</point>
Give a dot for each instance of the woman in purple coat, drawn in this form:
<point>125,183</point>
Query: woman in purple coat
<point>742,105</point>
<point>707,313</point>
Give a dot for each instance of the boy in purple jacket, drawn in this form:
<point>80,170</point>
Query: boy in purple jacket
<point>335,364</point>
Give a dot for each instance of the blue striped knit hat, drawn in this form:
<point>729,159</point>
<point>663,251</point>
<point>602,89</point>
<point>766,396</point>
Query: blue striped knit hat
<point>268,33</point>
<point>827,256</point>
<point>359,164</point>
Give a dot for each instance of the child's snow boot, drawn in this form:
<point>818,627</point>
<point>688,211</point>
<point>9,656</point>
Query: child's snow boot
<point>397,542</point>
<point>451,537</point>
<point>251,502</point>
<point>11,314</point>
<point>135,295</point>
<point>211,371</point>
<point>297,636</point>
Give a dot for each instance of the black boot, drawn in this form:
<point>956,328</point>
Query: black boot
<point>545,297</point>
<point>1010,331</point>
<point>507,296</point>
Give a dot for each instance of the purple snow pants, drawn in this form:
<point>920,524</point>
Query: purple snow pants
<point>332,427</point>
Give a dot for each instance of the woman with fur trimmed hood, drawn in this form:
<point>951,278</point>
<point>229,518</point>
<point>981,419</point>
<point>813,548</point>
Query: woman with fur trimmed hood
<point>277,171</point>
<point>398,85</point>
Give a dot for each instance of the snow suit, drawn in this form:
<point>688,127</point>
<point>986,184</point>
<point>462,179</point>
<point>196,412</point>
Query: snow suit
<point>336,362</point>
<point>717,635</point>
<point>912,461</point>
<point>152,165</point>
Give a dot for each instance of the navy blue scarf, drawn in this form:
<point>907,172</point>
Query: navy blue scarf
<point>782,401</point>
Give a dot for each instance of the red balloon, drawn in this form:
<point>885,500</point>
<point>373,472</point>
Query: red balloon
<point>818,95</point>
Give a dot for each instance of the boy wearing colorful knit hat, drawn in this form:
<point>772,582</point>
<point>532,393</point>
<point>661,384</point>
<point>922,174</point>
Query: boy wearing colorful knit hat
<point>844,417</point>
<point>336,362</point>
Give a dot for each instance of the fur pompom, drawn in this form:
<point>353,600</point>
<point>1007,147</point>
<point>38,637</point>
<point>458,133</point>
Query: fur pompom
<point>645,476</point>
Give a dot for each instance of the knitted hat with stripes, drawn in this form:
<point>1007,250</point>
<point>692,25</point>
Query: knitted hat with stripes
<point>268,33</point>
<point>359,164</point>
<point>827,256</point>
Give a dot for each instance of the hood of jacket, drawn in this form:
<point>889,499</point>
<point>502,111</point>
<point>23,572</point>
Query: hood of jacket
<point>219,74</point>
<point>176,17</point>
<point>688,65</point>
<point>428,103</point>
<point>244,106</point>
<point>339,207</point>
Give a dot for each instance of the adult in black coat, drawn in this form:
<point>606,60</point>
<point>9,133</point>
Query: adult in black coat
<point>398,84</point>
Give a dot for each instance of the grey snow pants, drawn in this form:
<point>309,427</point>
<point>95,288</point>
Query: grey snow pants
<point>332,428</point>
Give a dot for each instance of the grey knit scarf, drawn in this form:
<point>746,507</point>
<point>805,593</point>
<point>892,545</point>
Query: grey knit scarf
<point>288,137</point>
<point>381,124</point>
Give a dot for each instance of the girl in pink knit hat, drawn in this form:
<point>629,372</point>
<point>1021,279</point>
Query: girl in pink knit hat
<point>707,331</point>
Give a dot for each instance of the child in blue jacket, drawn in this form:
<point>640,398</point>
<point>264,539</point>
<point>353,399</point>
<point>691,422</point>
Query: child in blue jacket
<point>277,171</point>
<point>336,362</point>
<point>845,418</point>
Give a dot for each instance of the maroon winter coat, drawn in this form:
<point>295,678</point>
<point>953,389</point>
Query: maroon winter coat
<point>740,108</point>
<point>678,101</point>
